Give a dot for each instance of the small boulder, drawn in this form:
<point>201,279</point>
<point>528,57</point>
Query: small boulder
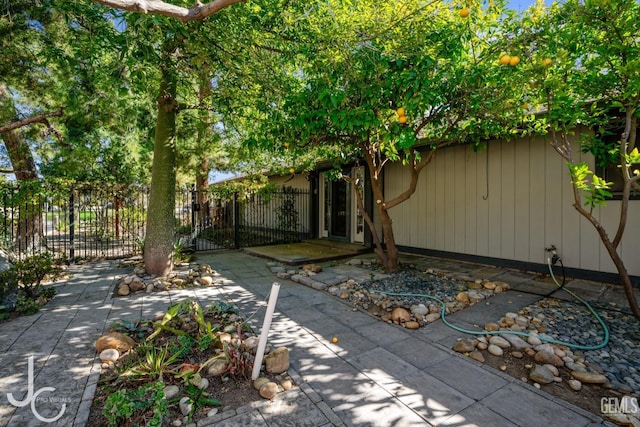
<point>109,355</point>
<point>412,325</point>
<point>463,297</point>
<point>123,290</point>
<point>516,342</point>
<point>499,341</point>
<point>575,385</point>
<point>419,310</point>
<point>205,280</point>
<point>117,340</point>
<point>465,345</point>
<point>286,384</point>
<point>589,377</point>
<point>259,382</point>
<point>476,355</point>
<point>400,315</point>
<point>314,268</point>
<point>137,285</point>
<point>432,317</point>
<point>544,358</point>
<point>495,350</point>
<point>277,361</point>
<point>491,327</point>
<point>269,390</point>
<point>541,374</point>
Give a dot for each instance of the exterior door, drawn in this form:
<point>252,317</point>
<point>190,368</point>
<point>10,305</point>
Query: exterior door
<point>339,210</point>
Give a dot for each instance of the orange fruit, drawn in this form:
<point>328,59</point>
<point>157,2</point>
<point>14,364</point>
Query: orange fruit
<point>292,170</point>
<point>334,340</point>
<point>400,112</point>
<point>464,12</point>
<point>402,119</point>
<point>286,145</point>
<point>515,60</point>
<point>504,60</point>
<point>546,62</point>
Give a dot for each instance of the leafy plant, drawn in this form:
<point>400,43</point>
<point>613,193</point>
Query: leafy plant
<point>221,307</point>
<point>198,395</point>
<point>30,272</point>
<point>139,328</point>
<point>123,404</point>
<point>155,362</point>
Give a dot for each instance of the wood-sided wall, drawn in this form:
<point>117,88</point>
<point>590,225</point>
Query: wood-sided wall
<point>509,202</point>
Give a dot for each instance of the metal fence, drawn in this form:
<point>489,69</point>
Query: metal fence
<point>263,218</point>
<point>72,221</point>
<point>92,221</point>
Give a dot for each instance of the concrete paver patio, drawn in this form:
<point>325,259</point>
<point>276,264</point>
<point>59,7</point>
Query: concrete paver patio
<point>376,375</point>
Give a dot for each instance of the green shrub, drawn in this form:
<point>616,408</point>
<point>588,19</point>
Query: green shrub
<point>124,404</point>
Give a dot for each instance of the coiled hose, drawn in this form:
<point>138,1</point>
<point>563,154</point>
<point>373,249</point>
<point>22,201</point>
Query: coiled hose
<point>605,329</point>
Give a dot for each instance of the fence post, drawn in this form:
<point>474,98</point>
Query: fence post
<point>236,220</point>
<point>194,208</point>
<point>72,216</point>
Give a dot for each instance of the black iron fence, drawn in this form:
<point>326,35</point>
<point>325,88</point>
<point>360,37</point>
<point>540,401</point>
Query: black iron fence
<point>91,221</point>
<point>262,218</point>
<point>72,221</point>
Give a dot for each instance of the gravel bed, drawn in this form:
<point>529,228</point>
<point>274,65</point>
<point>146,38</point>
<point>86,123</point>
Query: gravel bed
<point>572,322</point>
<point>565,321</point>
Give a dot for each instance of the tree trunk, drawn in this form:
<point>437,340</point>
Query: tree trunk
<point>29,224</point>
<point>160,234</point>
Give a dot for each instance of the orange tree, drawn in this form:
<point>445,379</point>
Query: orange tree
<point>581,67</point>
<point>389,82</point>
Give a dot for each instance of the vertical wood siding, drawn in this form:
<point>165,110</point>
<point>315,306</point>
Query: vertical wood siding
<point>529,206</point>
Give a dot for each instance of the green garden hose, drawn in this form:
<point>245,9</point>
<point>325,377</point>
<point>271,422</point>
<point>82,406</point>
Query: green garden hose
<point>604,342</point>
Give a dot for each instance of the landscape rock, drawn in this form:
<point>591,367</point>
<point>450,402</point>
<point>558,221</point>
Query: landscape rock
<point>516,342</point>
<point>205,280</point>
<point>259,382</point>
<point>533,340</point>
<point>123,290</point>
<point>109,355</point>
<point>499,341</point>
<point>491,327</point>
<point>575,385</point>
<point>463,297</point>
<point>269,390</point>
<point>544,358</point>
<point>589,377</point>
<point>286,384</point>
<point>137,285</point>
<point>171,391</point>
<point>419,310</point>
<point>495,350</point>
<point>541,374</point>
<point>476,355</point>
<point>218,367</point>
<point>411,325</point>
<point>277,361</point>
<point>400,315</point>
<point>212,412</point>
<point>314,268</point>
<point>116,340</point>
<point>186,405</point>
<point>465,345</point>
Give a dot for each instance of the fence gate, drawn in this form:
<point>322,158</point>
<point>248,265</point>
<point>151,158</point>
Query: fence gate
<point>263,218</point>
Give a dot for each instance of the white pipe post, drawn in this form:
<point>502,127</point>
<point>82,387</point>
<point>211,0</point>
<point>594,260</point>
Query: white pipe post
<point>262,343</point>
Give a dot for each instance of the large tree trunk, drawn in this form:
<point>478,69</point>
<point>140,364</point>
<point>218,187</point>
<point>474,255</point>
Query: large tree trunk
<point>160,234</point>
<point>29,221</point>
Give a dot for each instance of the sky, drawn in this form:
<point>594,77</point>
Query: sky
<point>521,5</point>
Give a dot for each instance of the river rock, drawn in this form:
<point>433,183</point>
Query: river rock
<point>259,382</point>
<point>186,405</point>
<point>412,325</point>
<point>218,367</point>
<point>205,280</point>
<point>463,297</point>
<point>465,345</point>
<point>495,350</point>
<point>541,374</point>
<point>419,310</point>
<point>575,385</point>
<point>499,341</point>
<point>544,358</point>
<point>516,342</point>
<point>589,377</point>
<point>269,390</point>
<point>432,317</point>
<point>171,391</point>
<point>476,355</point>
<point>277,361</point>
<point>123,290</point>
<point>109,355</point>
<point>400,315</point>
<point>491,327</point>
<point>117,340</point>
<point>137,285</point>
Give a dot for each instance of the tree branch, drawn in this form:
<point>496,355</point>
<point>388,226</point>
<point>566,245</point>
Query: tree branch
<point>41,118</point>
<point>198,12</point>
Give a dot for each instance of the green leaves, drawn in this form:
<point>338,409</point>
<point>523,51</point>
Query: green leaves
<point>595,190</point>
